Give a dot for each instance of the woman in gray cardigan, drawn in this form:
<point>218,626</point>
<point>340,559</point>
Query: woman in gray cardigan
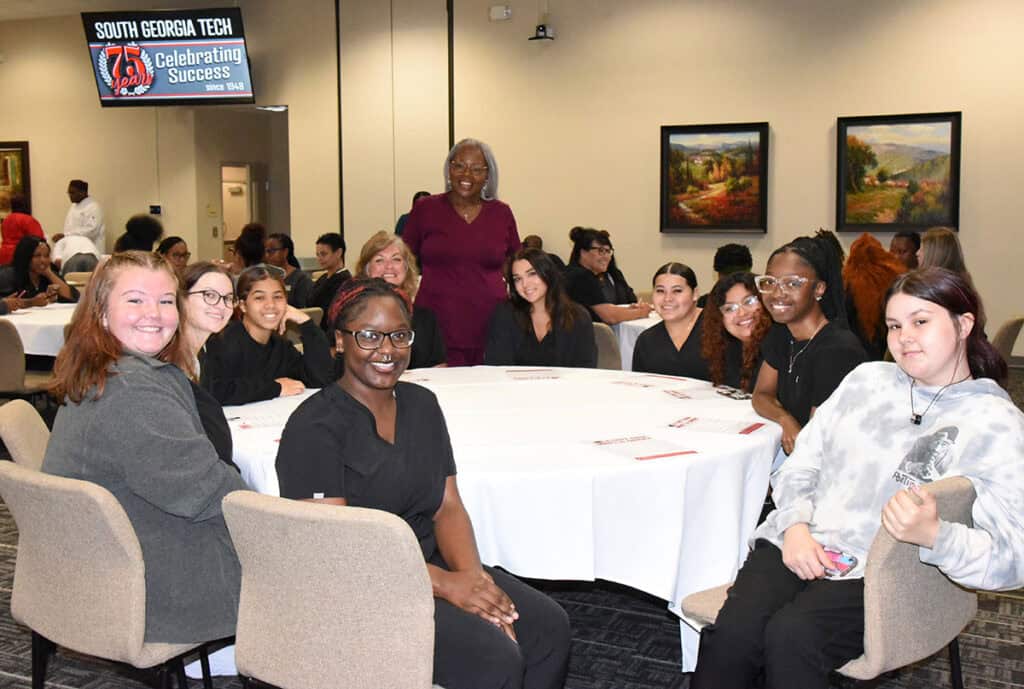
<point>130,424</point>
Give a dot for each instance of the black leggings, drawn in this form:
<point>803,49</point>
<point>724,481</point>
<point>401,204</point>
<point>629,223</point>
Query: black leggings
<point>472,653</point>
<point>793,631</point>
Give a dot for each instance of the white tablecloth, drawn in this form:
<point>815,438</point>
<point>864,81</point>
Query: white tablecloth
<point>41,328</point>
<point>627,332</point>
<point>579,474</point>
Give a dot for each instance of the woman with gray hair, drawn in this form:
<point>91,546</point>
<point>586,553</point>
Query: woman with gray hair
<point>462,239</point>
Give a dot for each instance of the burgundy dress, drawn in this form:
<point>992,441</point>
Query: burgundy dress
<point>462,269</point>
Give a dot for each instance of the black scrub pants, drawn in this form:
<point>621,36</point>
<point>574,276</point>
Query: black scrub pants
<point>472,653</point>
<point>792,631</point>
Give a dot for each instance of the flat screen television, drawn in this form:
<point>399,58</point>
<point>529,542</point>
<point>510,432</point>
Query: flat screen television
<point>180,57</point>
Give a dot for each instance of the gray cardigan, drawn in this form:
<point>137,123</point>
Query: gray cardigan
<point>142,440</point>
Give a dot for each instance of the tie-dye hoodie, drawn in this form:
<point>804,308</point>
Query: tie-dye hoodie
<point>861,447</point>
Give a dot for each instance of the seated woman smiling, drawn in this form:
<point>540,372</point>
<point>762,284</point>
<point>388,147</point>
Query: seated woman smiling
<point>372,441</point>
<point>539,325</point>
<point>129,423</point>
<point>251,360</point>
<point>734,325</point>
<point>672,347</point>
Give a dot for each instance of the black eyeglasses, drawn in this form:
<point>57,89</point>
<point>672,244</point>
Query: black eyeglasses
<point>373,339</point>
<point>602,250</point>
<point>213,298</point>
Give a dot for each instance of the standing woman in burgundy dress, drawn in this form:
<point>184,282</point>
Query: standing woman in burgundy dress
<point>462,238</point>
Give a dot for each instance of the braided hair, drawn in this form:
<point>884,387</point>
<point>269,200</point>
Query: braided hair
<point>823,254</point>
<point>352,297</point>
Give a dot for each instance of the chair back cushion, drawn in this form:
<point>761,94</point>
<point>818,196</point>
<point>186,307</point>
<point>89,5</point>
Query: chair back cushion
<point>24,433</point>
<point>79,579</point>
<point>331,596</point>
<point>1006,337</point>
<point>609,356</point>
<point>911,609</point>
<point>12,358</point>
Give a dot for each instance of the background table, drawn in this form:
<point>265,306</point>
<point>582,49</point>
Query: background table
<point>580,474</point>
<point>627,332</point>
<point>41,328</point>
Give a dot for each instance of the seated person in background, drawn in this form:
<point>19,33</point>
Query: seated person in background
<point>532,241</point>
<point>400,224</point>
<point>249,248</point>
<point>209,303</point>
<point>940,248</point>
<point>594,281</point>
<point>539,325</point>
<point>864,462</point>
<point>734,325</point>
<point>251,360</point>
<point>16,225</point>
<point>372,441</point>
<point>129,423</point>
<point>810,349</point>
<point>869,271</point>
<point>139,234</point>
<point>387,257</point>
<point>729,259</point>
<point>175,250</point>
<point>330,255</point>
<point>280,252</point>
<point>904,247</point>
<point>35,282</point>
<point>673,346</point>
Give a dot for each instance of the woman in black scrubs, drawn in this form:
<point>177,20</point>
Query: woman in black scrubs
<point>810,349</point>
<point>372,441</point>
<point>539,325</point>
<point>672,347</point>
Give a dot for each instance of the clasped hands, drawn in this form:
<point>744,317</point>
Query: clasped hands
<point>911,516</point>
<point>475,591</point>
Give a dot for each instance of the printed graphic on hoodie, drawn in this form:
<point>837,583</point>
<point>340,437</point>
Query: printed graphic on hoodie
<point>928,459</point>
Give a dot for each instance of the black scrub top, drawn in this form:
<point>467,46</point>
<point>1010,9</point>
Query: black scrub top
<point>655,352</point>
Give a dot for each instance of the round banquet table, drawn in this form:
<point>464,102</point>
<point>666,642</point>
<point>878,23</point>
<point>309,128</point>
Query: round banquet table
<point>650,481</point>
<point>627,332</point>
<point>41,328</point>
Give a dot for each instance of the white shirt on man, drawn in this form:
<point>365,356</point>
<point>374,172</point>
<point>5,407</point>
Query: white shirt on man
<point>83,223</point>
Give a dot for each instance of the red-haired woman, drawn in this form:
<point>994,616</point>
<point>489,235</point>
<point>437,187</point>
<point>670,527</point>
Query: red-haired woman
<point>734,325</point>
<point>867,274</point>
<point>129,423</point>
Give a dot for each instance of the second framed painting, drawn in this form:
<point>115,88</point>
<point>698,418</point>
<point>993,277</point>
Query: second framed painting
<point>714,178</point>
<point>898,172</point>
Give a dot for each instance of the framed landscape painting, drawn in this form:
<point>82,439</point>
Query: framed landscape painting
<point>14,177</point>
<point>898,172</point>
<point>714,178</point>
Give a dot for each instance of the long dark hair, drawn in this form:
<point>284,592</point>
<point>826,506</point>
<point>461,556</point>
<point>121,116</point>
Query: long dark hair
<point>584,238</point>
<point>288,245</point>
<point>556,301</point>
<point>714,336</point>
<point>22,260</point>
<point>823,254</point>
<point>165,246</point>
<point>954,292</point>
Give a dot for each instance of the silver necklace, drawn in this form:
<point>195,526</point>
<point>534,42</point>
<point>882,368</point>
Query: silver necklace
<point>792,343</point>
<point>917,418</point>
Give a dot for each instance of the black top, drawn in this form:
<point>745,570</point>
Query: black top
<point>656,353</point>
<point>300,286</point>
<point>508,344</point>
<point>237,369</point>
<point>818,365</point>
<point>29,290</point>
<point>324,290</point>
<point>734,365</point>
<point>330,448</point>
<point>211,415</point>
<point>587,289</point>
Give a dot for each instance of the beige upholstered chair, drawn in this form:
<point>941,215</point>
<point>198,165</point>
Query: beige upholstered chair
<point>79,578</point>
<point>609,356</point>
<point>1006,337</point>
<point>24,433</point>
<point>911,610</point>
<point>331,596</point>
<point>645,296</point>
<point>291,331</point>
<point>15,381</point>
<point>78,279</point>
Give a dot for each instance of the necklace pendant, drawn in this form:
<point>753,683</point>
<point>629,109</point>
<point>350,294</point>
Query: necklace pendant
<point>915,419</point>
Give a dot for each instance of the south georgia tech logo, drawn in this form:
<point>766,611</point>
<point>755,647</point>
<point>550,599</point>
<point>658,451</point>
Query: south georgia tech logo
<point>125,69</point>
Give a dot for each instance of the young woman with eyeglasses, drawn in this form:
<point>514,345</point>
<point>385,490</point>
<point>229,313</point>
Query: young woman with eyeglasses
<point>811,349</point>
<point>462,238</point>
<point>209,305</point>
<point>734,326</point>
<point>864,462</point>
<point>594,280</point>
<point>251,360</point>
<point>373,441</point>
<point>672,347</point>
<point>279,251</point>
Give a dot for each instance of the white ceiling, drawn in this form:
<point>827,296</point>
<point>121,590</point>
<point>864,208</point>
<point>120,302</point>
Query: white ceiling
<point>30,9</point>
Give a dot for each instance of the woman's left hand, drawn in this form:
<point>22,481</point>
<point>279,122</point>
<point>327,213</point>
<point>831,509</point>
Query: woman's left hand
<point>912,516</point>
<point>294,315</point>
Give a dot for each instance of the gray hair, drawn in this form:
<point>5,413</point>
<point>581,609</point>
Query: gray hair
<point>489,192</point>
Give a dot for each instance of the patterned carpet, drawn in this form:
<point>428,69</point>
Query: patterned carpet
<point>622,639</point>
